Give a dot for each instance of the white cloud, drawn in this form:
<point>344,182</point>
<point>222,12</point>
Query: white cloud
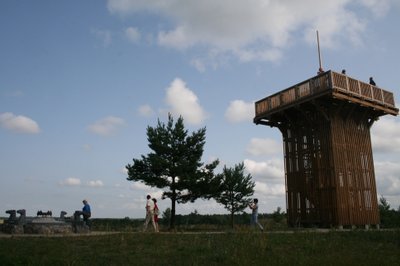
<point>123,171</point>
<point>104,36</point>
<point>145,190</point>
<point>106,126</point>
<point>183,101</point>
<point>138,186</point>
<point>246,55</point>
<point>146,110</point>
<point>198,63</point>
<point>385,135</point>
<point>256,31</point>
<point>274,190</point>
<point>177,38</point>
<point>378,7</point>
<point>18,123</point>
<point>71,181</point>
<point>388,182</point>
<point>239,111</point>
<point>132,34</point>
<point>95,183</point>
<point>388,178</point>
<point>269,170</point>
<point>265,146</point>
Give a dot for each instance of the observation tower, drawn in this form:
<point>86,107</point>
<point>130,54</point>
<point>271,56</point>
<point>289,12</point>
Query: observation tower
<point>325,123</point>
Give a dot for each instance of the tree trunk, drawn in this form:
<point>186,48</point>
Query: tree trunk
<point>232,213</point>
<point>173,202</point>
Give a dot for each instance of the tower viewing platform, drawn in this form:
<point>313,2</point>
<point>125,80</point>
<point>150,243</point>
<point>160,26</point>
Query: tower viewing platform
<point>329,84</point>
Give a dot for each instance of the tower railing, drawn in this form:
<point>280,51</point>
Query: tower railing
<point>327,82</point>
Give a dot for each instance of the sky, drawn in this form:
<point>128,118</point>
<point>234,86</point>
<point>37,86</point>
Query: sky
<point>80,81</point>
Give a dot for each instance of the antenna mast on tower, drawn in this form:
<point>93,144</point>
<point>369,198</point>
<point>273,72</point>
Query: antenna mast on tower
<point>320,70</point>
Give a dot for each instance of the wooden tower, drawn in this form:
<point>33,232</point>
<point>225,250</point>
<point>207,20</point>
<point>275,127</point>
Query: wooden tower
<point>325,123</point>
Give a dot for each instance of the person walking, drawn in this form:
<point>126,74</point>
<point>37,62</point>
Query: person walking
<point>149,214</point>
<point>254,214</point>
<point>156,213</point>
<point>86,212</point>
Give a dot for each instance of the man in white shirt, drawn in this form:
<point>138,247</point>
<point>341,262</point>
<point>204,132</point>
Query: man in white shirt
<point>254,214</point>
<point>149,214</point>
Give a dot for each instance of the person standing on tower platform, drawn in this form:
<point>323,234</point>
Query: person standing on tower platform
<point>371,81</point>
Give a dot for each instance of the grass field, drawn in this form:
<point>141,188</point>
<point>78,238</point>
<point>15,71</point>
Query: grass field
<point>235,248</point>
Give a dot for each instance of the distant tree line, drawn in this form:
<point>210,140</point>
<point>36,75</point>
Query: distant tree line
<point>192,222</point>
<point>243,218</point>
<point>390,218</point>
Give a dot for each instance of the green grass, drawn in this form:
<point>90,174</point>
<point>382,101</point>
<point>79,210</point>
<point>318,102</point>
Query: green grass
<point>235,248</point>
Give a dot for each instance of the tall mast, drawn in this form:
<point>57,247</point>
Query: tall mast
<point>320,70</point>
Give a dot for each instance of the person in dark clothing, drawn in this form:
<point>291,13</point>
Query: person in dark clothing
<point>372,82</point>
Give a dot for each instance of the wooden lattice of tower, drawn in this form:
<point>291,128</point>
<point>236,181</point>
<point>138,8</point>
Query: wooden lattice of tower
<point>325,123</point>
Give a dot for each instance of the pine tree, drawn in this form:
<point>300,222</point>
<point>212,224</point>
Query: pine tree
<point>175,164</point>
<point>235,189</point>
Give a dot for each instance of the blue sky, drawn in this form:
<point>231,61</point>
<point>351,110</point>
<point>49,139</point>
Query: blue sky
<point>81,80</point>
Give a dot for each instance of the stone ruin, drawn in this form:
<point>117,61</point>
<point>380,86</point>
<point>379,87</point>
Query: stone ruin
<point>43,223</point>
